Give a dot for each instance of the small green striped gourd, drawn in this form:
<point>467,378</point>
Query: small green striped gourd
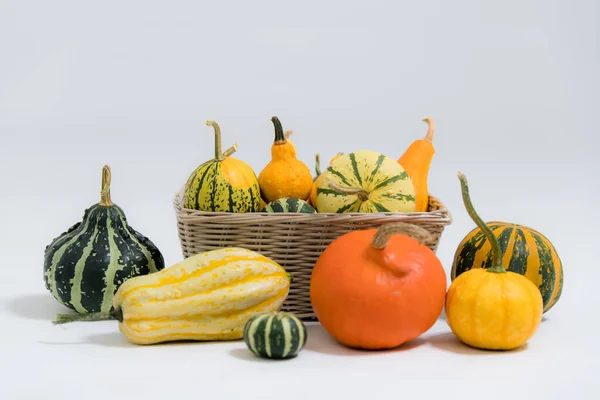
<point>289,205</point>
<point>223,184</point>
<point>84,267</point>
<point>277,335</point>
<point>364,181</point>
<point>526,252</point>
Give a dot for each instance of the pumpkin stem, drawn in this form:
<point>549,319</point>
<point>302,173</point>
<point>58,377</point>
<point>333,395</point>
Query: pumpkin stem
<point>115,314</point>
<point>279,136</point>
<point>496,250</point>
<point>383,234</point>
<point>318,164</point>
<point>218,153</point>
<point>430,129</point>
<point>362,194</point>
<point>231,150</point>
<point>105,192</point>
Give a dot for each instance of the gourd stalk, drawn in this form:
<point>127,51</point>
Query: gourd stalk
<point>115,314</point>
<point>362,194</point>
<point>430,130</point>
<point>496,250</point>
<point>105,199</point>
<point>218,151</point>
<point>318,164</point>
<point>279,136</point>
<point>383,234</point>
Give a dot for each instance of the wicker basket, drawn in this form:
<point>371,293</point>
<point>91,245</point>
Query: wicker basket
<point>295,241</point>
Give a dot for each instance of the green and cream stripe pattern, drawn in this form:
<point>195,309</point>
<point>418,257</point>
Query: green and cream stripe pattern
<point>277,335</point>
<point>289,205</point>
<point>84,267</point>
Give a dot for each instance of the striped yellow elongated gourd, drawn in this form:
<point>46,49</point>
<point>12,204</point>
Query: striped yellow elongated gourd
<point>209,296</point>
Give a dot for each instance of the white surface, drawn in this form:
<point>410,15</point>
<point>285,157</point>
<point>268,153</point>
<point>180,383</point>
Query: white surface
<point>513,88</point>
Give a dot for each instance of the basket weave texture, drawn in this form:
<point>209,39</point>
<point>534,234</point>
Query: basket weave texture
<point>294,241</point>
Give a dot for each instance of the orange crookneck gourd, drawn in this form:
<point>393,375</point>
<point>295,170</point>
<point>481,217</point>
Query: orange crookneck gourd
<point>284,175</point>
<point>416,160</point>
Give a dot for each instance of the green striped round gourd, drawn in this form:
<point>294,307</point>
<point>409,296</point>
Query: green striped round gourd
<point>223,184</point>
<point>364,181</point>
<point>525,251</point>
<point>277,335</point>
<point>289,205</point>
<point>84,267</point>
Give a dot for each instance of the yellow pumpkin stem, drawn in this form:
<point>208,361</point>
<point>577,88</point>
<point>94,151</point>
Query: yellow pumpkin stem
<point>496,249</point>
<point>430,130</point>
<point>218,153</point>
<point>105,199</point>
<point>383,234</point>
<point>231,150</point>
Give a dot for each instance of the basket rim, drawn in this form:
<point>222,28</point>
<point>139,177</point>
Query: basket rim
<point>441,215</point>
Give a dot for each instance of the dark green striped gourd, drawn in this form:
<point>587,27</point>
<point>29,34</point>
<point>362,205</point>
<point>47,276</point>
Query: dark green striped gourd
<point>277,335</point>
<point>526,252</point>
<point>289,205</point>
<point>84,267</point>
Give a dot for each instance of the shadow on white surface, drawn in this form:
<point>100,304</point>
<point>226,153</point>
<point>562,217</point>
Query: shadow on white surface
<point>319,341</point>
<point>112,339</point>
<point>247,355</point>
<point>35,306</point>
<point>448,342</point>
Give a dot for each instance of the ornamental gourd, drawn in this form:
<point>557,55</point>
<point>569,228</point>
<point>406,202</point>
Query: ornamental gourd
<point>365,181</point>
<point>416,160</point>
<point>289,205</point>
<point>275,335</point>
<point>525,251</point>
<point>378,288</point>
<point>223,184</point>
<point>84,267</point>
<point>284,175</point>
<point>491,308</point>
<point>208,296</point>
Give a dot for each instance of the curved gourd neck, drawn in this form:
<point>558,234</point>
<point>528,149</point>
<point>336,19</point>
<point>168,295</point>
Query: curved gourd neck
<point>496,250</point>
<point>282,149</point>
<point>105,199</point>
<point>430,129</point>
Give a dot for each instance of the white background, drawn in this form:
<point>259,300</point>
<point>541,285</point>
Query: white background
<point>512,86</point>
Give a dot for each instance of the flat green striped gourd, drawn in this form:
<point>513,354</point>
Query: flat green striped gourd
<point>526,252</point>
<point>84,267</point>
<point>365,181</point>
<point>289,205</point>
<point>277,335</point>
<point>223,184</point>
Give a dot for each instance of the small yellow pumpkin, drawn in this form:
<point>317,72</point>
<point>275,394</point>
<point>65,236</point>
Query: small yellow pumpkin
<point>284,175</point>
<point>492,308</point>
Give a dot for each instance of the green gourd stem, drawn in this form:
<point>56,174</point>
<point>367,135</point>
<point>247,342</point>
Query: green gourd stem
<point>279,136</point>
<point>429,135</point>
<point>116,314</point>
<point>496,250</point>
<point>318,164</point>
<point>290,277</point>
<point>105,192</point>
<point>218,152</point>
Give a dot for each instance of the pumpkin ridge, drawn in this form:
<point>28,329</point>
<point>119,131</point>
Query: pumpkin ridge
<point>378,164</point>
<point>141,243</point>
<point>391,179</point>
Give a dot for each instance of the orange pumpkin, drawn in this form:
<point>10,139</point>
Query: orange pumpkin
<point>377,289</point>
